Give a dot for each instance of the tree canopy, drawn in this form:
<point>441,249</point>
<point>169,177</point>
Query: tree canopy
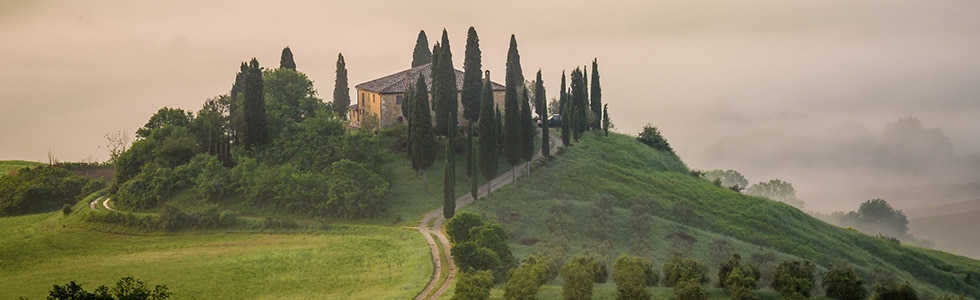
<point>472,73</point>
<point>341,90</point>
<point>421,55</point>
<point>286,59</point>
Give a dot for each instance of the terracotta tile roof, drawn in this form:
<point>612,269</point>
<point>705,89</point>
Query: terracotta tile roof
<point>396,83</point>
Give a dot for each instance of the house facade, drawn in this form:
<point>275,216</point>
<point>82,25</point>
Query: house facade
<point>379,101</point>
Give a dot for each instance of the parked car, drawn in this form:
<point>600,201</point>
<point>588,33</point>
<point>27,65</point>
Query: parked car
<point>554,120</point>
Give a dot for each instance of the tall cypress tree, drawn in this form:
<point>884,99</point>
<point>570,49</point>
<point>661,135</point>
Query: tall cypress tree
<point>449,184</point>
<point>605,119</point>
<point>541,107</point>
<point>567,118</point>
<point>436,50</point>
<point>407,113</point>
<point>512,141</point>
<point>472,83</point>
<point>423,139</point>
<point>421,55</point>
<point>527,128</point>
<point>286,59</point>
<point>255,129</point>
<point>596,94</point>
<point>474,178</point>
<point>444,93</point>
<point>341,90</point>
<point>579,104</point>
<point>488,133</point>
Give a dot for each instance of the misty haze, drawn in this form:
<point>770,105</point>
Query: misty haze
<point>846,100</point>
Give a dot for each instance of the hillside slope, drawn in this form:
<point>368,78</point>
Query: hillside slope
<point>630,173</point>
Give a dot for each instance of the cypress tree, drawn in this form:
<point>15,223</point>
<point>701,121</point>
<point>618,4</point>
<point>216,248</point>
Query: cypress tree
<point>449,185</point>
<point>407,113</point>
<point>605,119</point>
<point>255,129</point>
<point>541,107</point>
<point>566,113</point>
<point>436,50</point>
<point>423,139</point>
<point>527,129</point>
<point>341,90</point>
<point>579,104</point>
<point>596,94</point>
<point>474,179</point>
<point>512,141</point>
<point>488,133</point>
<point>286,59</point>
<point>421,55</point>
<point>472,83</point>
<point>444,93</point>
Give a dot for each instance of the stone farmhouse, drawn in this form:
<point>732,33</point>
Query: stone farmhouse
<point>380,100</point>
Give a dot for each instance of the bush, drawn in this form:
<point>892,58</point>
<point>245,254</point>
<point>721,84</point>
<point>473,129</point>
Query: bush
<point>652,137</point>
<point>794,279</point>
<point>355,191</point>
<point>689,289</point>
<point>127,288</point>
<point>843,284</point>
<point>579,275</point>
<point>39,189</point>
<point>458,227</point>
<point>473,285</point>
<point>740,283</point>
<point>892,290</point>
<point>172,219</point>
<point>679,268</point>
<point>525,280</point>
<point>632,274</point>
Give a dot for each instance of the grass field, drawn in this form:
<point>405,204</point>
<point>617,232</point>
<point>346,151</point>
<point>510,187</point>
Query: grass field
<point>343,262</point>
<point>7,166</point>
<point>629,172</point>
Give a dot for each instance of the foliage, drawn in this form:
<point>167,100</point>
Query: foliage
<point>579,100</point>
<point>164,117</point>
<point>843,283</point>
<point>579,275</point>
<point>525,280</point>
<point>678,269</point>
<point>893,290</point>
<point>740,283</point>
<point>449,183</point>
<point>444,93</point>
<point>727,178</point>
<point>776,190</point>
<point>689,289</point>
<point>489,138</point>
<point>458,227</point>
<point>650,136</point>
<point>254,129</point>
<point>468,255</point>
<point>421,55</point>
<point>493,237</point>
<point>473,285</point>
<point>794,279</point>
<point>541,108</point>
<point>127,288</point>
<point>289,99</point>
<point>341,89</point>
<point>632,275</point>
<point>512,139</point>
<point>606,123</point>
<point>596,96</point>
<point>286,59</point>
<point>565,108</point>
<point>472,73</point>
<point>526,127</point>
<point>355,191</point>
<point>877,216</point>
<point>39,189</point>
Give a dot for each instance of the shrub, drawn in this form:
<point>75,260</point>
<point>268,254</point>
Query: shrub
<point>173,219</point>
<point>679,268</point>
<point>524,280</point>
<point>794,279</point>
<point>740,283</point>
<point>473,285</point>
<point>458,227</point>
<point>632,274</point>
<point>650,136</point>
<point>39,189</point>
<point>842,283</point>
<point>125,288</point>
<point>689,289</point>
<point>579,275</point>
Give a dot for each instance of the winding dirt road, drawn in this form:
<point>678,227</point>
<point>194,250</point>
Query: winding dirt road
<point>436,218</point>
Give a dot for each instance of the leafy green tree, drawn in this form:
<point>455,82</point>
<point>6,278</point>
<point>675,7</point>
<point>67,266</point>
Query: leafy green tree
<point>877,216</point>
<point>740,283</point>
<point>579,275</point>
<point>458,227</point>
<point>580,106</point>
<point>632,274</point>
<point>39,189</point>
<point>689,289</point>
<point>211,128</point>
<point>423,138</point>
<point>473,285</point>
<point>127,288</point>
<point>541,108</point>
<point>596,96</point>
<point>341,90</point>
<point>488,133</point>
<point>421,55</point>
<point>289,99</point>
<point>472,83</point>
<point>512,139</point>
<point>449,184</point>
<point>776,190</point>
<point>794,279</point>
<point>525,280</point>
<point>678,269</point>
<point>650,136</point>
<point>567,118</point>
<point>286,59</point>
<point>255,125</point>
<point>842,283</point>
<point>493,237</point>
<point>355,191</point>
<point>469,255</point>
<point>165,117</point>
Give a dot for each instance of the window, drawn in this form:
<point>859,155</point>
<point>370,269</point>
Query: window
<point>398,100</point>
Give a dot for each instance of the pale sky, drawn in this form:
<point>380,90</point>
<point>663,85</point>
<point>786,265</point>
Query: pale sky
<point>709,74</point>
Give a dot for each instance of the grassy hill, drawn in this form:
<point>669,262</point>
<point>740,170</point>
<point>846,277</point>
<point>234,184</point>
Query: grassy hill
<point>7,166</point>
<point>629,172</point>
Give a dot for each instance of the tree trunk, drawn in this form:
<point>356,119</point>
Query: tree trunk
<point>425,181</point>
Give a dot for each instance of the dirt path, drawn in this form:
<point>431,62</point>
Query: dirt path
<point>105,203</point>
<point>436,218</point>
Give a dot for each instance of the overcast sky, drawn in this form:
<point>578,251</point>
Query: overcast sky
<point>709,74</point>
